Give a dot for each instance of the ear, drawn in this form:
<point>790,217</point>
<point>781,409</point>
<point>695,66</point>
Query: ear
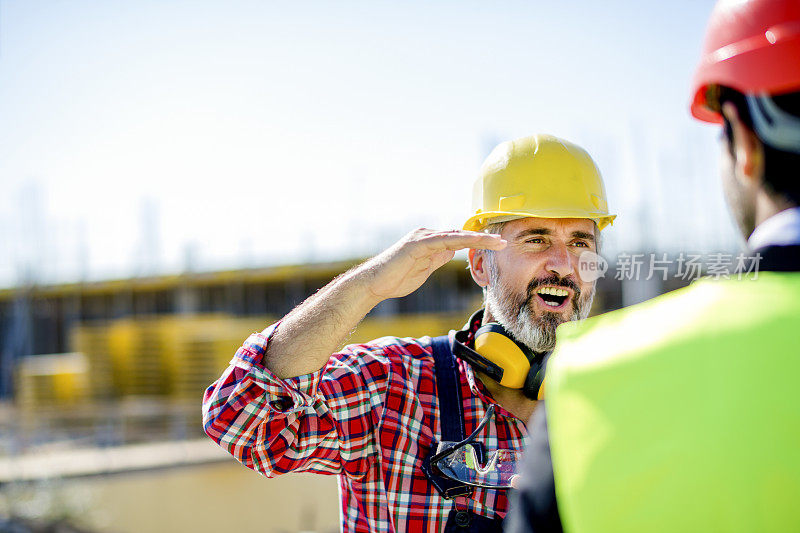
<point>477,267</point>
<point>747,148</point>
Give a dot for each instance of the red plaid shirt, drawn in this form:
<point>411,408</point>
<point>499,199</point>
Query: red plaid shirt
<point>370,416</point>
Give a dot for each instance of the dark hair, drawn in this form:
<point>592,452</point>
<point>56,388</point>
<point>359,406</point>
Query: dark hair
<point>781,168</point>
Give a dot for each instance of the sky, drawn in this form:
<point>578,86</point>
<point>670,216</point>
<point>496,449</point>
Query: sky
<point>139,138</point>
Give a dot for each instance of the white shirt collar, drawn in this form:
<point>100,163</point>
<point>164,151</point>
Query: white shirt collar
<point>781,229</point>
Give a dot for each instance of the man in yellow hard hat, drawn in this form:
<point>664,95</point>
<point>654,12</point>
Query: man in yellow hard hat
<point>407,424</point>
<point>681,413</point>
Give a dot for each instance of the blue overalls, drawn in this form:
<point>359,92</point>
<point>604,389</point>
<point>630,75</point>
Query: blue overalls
<point>448,387</point>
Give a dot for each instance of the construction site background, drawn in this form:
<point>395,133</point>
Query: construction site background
<point>105,426</point>
<point>175,176</point>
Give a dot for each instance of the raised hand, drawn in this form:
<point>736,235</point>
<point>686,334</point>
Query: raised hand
<point>404,267</point>
<point>308,335</point>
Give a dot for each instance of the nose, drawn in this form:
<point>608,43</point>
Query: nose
<point>559,261</point>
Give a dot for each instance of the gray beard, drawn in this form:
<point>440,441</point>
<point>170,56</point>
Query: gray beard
<point>516,313</point>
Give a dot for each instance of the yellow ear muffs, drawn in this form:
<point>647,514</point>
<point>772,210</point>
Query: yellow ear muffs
<point>493,343</point>
<point>498,355</point>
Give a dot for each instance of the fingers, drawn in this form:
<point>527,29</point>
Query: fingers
<point>460,239</point>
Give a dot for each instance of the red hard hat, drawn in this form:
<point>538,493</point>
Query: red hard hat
<point>751,46</point>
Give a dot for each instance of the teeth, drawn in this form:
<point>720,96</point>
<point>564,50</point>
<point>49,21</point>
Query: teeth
<point>553,291</point>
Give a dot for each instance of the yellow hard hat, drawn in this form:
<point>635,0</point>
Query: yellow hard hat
<point>538,176</point>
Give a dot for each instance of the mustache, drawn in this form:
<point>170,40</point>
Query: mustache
<point>554,281</point>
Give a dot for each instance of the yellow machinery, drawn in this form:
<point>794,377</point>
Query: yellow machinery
<point>174,355</point>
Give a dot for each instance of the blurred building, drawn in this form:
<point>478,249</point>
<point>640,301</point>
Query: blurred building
<point>171,336</point>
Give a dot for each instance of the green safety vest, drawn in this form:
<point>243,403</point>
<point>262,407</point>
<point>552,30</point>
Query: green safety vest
<point>681,413</point>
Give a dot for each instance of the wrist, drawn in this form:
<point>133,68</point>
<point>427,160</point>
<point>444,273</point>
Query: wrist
<point>361,285</point>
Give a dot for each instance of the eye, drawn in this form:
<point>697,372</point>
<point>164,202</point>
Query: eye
<point>535,240</point>
<point>580,244</point>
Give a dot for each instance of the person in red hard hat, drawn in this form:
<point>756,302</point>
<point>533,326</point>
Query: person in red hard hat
<point>680,414</point>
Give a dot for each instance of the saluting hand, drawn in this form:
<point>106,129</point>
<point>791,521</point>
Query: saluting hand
<point>404,267</point>
<point>309,334</point>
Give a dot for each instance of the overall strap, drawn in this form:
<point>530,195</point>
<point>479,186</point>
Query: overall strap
<point>448,389</point>
<point>451,415</point>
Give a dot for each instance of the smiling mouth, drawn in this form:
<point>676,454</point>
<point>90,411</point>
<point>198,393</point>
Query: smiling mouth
<point>554,297</point>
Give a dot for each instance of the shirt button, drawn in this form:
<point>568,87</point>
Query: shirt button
<point>462,519</point>
<point>279,405</point>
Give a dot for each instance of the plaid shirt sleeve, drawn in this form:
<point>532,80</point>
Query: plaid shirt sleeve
<point>321,422</point>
